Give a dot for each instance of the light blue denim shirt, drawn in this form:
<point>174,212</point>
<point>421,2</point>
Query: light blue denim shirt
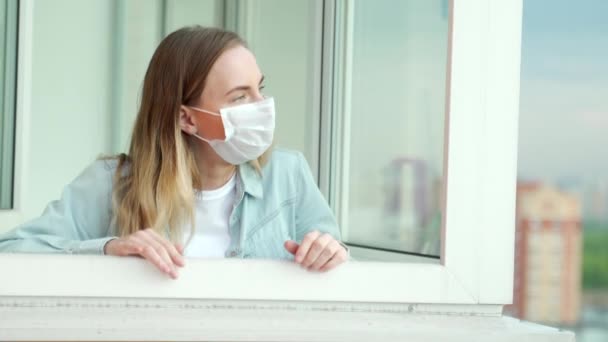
<point>284,203</point>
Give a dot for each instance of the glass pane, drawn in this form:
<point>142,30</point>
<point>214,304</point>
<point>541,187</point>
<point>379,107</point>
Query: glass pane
<point>139,27</point>
<point>398,53</point>
<point>8,83</point>
<point>287,48</point>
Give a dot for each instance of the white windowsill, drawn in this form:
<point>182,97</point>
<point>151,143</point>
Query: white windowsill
<point>109,298</point>
<point>79,319</point>
<point>235,279</point>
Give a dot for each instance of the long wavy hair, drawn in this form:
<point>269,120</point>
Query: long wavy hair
<point>154,183</point>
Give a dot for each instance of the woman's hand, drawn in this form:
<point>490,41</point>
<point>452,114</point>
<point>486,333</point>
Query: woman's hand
<point>317,252</point>
<point>149,245</point>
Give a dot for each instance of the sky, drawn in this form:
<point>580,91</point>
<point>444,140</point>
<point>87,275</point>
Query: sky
<point>564,90</point>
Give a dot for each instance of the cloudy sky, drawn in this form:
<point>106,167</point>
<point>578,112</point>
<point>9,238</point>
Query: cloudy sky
<point>564,90</point>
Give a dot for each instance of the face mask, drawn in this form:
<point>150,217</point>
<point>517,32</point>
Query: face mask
<point>249,130</point>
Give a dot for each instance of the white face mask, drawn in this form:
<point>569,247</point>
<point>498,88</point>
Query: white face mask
<point>249,130</point>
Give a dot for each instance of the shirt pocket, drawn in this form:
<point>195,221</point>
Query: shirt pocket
<point>266,238</point>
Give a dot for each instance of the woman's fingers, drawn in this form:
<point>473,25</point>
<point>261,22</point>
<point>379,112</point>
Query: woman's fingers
<point>317,248</point>
<point>166,262</point>
<point>180,248</point>
<point>319,252</point>
<point>151,254</point>
<point>306,245</point>
<point>152,247</point>
<point>338,259</point>
<point>291,246</point>
<point>175,255</point>
<point>326,255</point>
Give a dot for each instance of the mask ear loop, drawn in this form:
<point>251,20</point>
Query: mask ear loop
<point>195,134</point>
<point>204,111</point>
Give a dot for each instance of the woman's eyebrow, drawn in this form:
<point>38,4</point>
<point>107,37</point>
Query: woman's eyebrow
<point>238,88</point>
<point>243,87</point>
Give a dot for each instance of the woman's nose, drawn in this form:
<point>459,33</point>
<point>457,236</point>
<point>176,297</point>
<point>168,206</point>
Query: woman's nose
<point>258,96</point>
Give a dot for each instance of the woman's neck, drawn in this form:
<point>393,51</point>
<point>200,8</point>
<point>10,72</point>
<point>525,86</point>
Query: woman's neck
<point>214,171</point>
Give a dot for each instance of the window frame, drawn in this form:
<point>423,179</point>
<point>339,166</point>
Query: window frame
<point>8,117</point>
<point>478,232</point>
<point>22,109</point>
<point>339,54</point>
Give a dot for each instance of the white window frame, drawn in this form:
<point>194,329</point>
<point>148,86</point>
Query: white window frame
<point>8,106</point>
<point>22,109</point>
<point>476,269</point>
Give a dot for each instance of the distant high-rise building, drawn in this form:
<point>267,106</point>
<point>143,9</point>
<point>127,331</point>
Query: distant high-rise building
<point>547,255</point>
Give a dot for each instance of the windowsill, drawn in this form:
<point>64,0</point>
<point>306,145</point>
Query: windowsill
<point>83,297</point>
<point>40,319</point>
<point>234,279</point>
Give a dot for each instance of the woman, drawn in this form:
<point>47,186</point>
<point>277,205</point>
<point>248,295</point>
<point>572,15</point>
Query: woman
<point>200,173</point>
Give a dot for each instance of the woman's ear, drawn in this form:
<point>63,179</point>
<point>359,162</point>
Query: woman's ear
<point>187,121</point>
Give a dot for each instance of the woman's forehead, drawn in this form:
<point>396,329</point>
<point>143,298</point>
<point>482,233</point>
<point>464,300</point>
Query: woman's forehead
<point>236,66</point>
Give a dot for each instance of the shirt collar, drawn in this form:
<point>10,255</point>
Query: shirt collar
<point>251,179</point>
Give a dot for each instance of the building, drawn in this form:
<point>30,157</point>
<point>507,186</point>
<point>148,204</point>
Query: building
<point>547,255</point>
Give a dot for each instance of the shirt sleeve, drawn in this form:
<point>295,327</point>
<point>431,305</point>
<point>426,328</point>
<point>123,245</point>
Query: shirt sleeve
<point>77,223</point>
<point>313,211</point>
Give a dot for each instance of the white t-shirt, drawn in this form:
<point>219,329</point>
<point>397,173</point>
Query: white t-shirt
<point>212,211</point>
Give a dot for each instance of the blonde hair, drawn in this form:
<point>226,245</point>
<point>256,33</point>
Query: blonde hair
<point>154,184</point>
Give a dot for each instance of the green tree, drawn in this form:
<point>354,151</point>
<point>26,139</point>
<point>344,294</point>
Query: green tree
<point>595,255</point>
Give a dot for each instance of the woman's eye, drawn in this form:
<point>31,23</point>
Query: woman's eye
<point>239,98</point>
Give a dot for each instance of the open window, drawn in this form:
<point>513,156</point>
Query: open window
<point>420,169</point>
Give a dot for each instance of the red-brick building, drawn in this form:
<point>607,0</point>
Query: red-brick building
<point>547,255</point>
